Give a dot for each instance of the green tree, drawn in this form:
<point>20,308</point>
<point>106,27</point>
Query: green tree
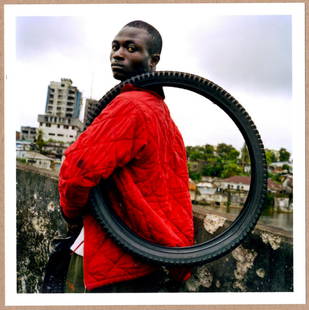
<point>270,156</point>
<point>227,152</point>
<point>195,176</point>
<point>203,152</point>
<point>213,167</point>
<point>229,169</point>
<point>284,155</point>
<point>39,140</point>
<point>220,161</point>
<point>209,150</point>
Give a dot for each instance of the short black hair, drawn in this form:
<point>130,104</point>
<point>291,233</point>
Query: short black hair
<point>156,42</point>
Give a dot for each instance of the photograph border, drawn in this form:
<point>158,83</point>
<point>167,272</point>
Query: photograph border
<point>2,163</point>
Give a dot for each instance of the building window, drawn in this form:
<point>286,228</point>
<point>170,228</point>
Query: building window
<point>65,126</point>
<point>48,125</point>
<point>71,136</point>
<point>51,134</point>
<point>58,126</point>
<point>60,135</point>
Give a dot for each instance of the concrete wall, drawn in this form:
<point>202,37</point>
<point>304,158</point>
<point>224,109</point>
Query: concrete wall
<point>263,263</point>
<point>38,222</point>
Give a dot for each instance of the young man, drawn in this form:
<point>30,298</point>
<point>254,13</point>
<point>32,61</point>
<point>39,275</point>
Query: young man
<point>135,147</point>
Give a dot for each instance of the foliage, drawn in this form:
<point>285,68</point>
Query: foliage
<point>275,177</point>
<point>214,167</point>
<point>195,176</point>
<point>21,160</point>
<point>230,168</point>
<point>227,152</point>
<point>200,152</point>
<point>270,156</point>
<point>286,167</point>
<point>40,143</point>
<point>224,160</point>
<point>220,161</point>
<point>269,200</point>
<point>284,155</point>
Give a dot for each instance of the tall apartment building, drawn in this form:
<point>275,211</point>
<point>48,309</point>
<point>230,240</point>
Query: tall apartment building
<point>90,106</point>
<point>61,119</point>
<point>63,99</point>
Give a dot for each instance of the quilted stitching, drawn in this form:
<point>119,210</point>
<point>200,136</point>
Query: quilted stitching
<point>135,144</point>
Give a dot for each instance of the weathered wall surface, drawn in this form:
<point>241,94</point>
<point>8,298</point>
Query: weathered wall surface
<point>38,222</point>
<point>263,263</point>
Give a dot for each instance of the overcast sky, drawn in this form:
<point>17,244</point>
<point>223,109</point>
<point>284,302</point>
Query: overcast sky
<point>248,55</point>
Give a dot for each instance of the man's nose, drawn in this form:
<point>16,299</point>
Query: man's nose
<point>118,54</point>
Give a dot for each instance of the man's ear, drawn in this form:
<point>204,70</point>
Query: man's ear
<point>155,58</point>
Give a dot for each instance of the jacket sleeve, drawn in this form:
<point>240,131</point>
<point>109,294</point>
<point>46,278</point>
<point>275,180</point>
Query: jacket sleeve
<point>115,137</point>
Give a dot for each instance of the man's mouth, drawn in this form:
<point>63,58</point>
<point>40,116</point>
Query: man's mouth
<point>117,66</point>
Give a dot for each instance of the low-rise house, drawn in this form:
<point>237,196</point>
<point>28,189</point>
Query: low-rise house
<point>235,189</point>
<point>37,160</point>
<point>233,192</point>
<point>280,167</point>
<point>207,193</point>
<point>21,146</point>
<point>274,187</point>
<point>237,182</point>
<point>55,148</point>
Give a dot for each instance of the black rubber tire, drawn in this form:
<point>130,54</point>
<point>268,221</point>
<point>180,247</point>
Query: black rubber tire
<point>247,218</point>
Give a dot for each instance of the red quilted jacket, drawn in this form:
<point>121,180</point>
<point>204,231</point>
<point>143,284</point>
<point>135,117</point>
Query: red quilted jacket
<point>135,145</point>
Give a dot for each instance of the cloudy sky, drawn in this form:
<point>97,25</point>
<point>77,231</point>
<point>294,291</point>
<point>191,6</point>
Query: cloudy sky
<point>248,54</point>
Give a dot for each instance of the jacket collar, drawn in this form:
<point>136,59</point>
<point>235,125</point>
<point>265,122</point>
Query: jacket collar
<point>155,90</point>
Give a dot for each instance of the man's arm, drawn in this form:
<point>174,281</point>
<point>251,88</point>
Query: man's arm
<point>113,139</point>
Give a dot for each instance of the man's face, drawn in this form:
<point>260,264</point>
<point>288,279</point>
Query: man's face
<point>129,55</point>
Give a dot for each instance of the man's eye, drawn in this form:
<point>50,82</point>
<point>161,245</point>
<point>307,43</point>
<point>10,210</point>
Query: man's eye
<point>131,49</point>
<point>114,47</point>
